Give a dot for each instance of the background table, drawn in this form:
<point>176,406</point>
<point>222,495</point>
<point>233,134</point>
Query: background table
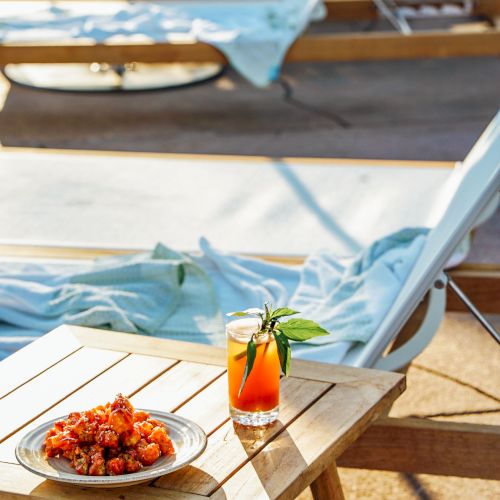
<point>323,409</point>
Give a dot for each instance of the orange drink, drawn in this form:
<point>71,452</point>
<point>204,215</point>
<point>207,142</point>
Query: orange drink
<point>259,400</point>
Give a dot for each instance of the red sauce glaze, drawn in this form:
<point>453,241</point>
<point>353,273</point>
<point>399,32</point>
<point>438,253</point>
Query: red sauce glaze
<point>110,440</point>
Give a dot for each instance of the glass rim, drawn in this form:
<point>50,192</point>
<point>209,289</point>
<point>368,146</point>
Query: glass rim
<point>246,335</point>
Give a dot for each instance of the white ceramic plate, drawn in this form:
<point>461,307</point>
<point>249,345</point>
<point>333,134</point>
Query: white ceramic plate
<point>188,438</point>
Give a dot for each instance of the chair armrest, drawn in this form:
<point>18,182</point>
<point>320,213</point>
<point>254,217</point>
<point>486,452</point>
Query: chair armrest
<point>399,358</point>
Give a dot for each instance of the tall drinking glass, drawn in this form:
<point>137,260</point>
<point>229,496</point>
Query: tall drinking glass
<point>258,403</point>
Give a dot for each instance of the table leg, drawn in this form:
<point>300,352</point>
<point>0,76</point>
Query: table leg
<point>327,485</point>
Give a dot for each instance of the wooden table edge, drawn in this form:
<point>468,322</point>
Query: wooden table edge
<point>209,354</point>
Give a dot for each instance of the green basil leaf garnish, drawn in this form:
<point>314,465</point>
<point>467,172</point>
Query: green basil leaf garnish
<point>284,352</point>
<point>301,329</point>
<point>283,311</point>
<point>296,329</point>
<point>251,353</point>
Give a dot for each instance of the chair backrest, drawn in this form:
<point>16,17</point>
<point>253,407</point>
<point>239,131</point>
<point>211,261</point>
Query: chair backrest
<point>467,194</point>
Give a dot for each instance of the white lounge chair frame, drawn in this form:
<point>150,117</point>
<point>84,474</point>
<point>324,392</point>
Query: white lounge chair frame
<point>474,196</point>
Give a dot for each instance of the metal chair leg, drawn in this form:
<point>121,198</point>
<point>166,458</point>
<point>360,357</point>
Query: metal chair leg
<point>473,309</point>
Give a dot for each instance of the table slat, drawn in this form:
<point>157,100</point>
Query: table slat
<point>338,374</point>
<point>209,409</point>
<point>41,393</point>
<point>127,376</point>
<point>176,386</point>
<point>19,483</point>
<point>310,443</point>
<point>229,447</point>
<point>28,362</point>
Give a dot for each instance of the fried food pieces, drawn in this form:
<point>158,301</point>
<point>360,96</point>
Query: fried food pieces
<point>109,440</point>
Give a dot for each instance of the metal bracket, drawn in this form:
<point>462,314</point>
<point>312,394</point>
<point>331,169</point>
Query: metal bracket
<point>390,11</point>
<point>473,309</point>
<point>397,12</point>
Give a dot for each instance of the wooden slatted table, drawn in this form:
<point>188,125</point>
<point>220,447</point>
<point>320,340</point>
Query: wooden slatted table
<point>323,410</point>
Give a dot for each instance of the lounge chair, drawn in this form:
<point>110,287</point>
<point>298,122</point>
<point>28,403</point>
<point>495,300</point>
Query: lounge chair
<point>484,41</point>
<point>463,196</point>
<point>470,195</point>
<point>307,192</point>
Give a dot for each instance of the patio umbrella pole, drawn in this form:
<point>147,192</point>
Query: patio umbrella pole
<point>472,308</point>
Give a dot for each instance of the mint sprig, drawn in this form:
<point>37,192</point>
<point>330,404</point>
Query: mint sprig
<point>296,329</point>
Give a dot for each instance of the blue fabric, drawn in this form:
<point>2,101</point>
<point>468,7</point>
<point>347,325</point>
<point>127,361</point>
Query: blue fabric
<point>160,292</point>
<point>168,294</point>
<point>254,36</point>
<point>349,300</point>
